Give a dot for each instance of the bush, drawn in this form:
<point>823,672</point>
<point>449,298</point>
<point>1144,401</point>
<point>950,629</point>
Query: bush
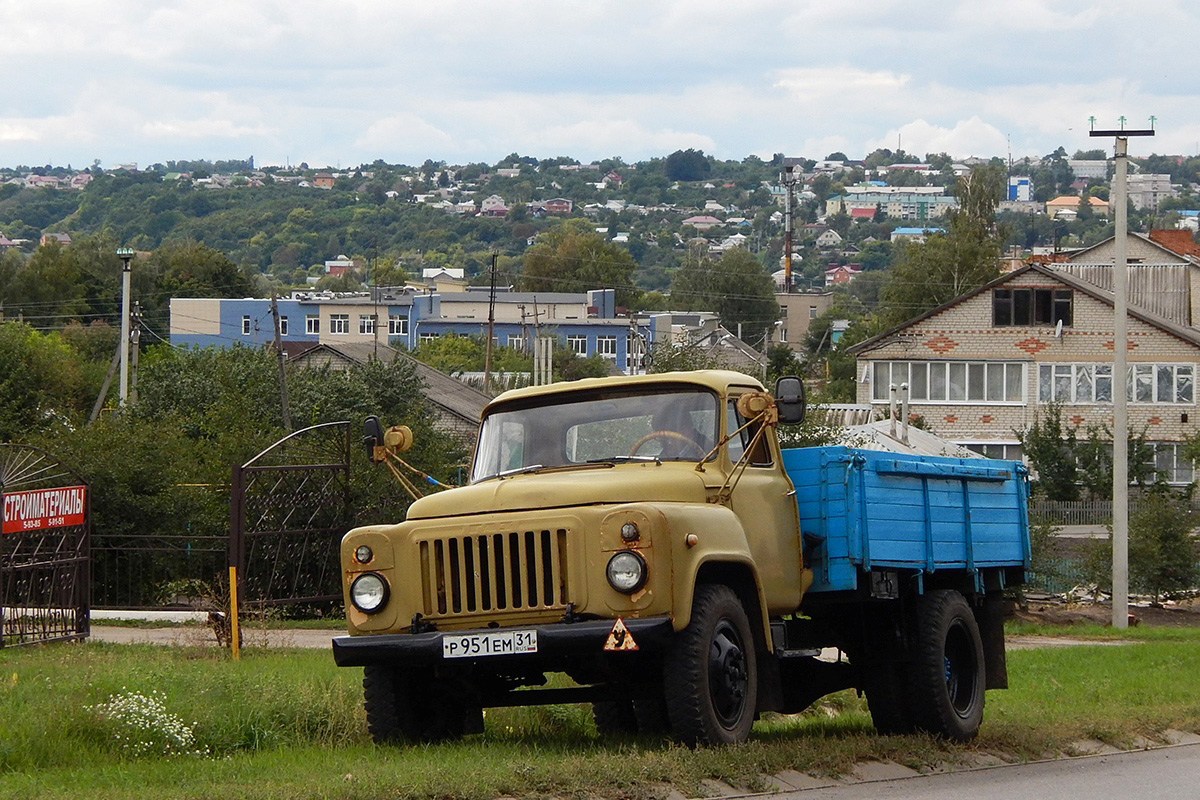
<point>1162,552</point>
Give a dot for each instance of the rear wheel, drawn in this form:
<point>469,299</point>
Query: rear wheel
<point>946,677</point>
<point>409,707</point>
<point>887,699</point>
<point>711,677</point>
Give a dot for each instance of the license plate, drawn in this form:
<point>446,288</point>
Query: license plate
<point>493,643</point>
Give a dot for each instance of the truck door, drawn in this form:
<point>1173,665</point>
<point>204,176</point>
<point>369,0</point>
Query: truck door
<point>763,501</point>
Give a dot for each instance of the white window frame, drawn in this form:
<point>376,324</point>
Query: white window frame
<point>945,382</point>
<point>283,325</point>
<point>516,343</point>
<point>1170,464</point>
<point>339,324</point>
<point>1170,384</point>
<point>246,325</point>
<point>578,343</point>
<point>606,347</point>
<point>397,325</point>
<point>366,324</point>
<point>312,324</point>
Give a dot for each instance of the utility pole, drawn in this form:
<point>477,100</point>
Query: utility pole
<point>126,255</point>
<point>1120,538</point>
<point>487,351</point>
<point>788,178</point>
<point>283,395</point>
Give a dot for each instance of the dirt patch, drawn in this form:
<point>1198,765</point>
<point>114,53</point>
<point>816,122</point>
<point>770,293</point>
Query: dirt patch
<point>1182,613</point>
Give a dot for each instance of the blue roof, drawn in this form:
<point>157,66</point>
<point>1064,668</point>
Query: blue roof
<point>917,231</point>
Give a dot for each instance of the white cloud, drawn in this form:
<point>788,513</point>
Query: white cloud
<point>17,132</point>
<point>970,137</point>
<point>404,132</point>
<point>407,80</point>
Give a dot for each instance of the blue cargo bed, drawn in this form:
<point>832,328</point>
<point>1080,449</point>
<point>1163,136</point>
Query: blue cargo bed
<point>867,509</point>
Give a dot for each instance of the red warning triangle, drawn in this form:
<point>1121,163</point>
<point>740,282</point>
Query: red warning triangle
<point>619,638</point>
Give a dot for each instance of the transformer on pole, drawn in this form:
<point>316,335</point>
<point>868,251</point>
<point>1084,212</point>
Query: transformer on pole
<point>126,255</point>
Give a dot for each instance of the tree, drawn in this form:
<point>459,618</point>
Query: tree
<point>736,287</point>
<point>192,269</point>
<point>946,265</point>
<point>1050,449</point>
<point>572,257</point>
<point>688,165</point>
<point>39,382</point>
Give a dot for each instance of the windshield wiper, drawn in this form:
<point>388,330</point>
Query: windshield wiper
<point>519,471</point>
<point>623,459</point>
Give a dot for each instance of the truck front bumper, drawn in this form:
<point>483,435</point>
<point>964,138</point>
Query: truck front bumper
<point>555,642</point>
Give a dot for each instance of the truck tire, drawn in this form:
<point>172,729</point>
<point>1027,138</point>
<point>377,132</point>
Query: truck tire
<point>711,672</point>
<point>886,689</point>
<point>647,716</point>
<point>947,673</point>
<point>614,717</point>
<point>408,707</point>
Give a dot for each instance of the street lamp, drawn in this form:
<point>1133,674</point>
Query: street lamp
<point>126,255</point>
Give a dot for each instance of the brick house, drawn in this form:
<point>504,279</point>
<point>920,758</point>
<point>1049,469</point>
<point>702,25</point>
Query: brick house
<point>981,367</point>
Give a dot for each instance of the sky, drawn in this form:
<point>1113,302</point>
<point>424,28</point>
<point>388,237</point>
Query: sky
<point>345,82</point>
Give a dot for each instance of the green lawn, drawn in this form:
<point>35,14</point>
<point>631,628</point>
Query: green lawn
<point>288,724</point>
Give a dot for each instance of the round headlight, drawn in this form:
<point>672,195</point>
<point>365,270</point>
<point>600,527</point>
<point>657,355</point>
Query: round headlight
<point>629,532</point>
<point>626,572</point>
<point>369,592</point>
<point>363,554</point>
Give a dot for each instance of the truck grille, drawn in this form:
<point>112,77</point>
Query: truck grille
<point>494,572</point>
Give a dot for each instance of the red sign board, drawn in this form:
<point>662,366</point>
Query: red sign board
<point>39,509</point>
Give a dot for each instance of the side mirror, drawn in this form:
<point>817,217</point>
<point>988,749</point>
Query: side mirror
<point>372,436</point>
<point>789,399</point>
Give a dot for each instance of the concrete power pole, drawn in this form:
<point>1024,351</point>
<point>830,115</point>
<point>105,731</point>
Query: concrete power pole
<point>283,395</point>
<point>1120,538</point>
<point>126,255</point>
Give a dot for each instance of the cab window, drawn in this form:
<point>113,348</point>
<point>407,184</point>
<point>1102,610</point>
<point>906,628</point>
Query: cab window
<point>760,456</point>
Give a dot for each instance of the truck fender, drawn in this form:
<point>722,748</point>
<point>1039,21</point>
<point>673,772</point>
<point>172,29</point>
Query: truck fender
<point>720,554</point>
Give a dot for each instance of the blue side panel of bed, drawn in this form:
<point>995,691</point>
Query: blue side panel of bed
<point>874,510</point>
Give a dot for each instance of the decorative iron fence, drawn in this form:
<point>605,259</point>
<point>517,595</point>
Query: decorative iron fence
<point>289,508</point>
<point>44,548</point>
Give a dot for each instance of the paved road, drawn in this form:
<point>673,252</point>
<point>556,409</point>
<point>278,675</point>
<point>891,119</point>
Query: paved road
<point>195,635</point>
<point>1167,772</point>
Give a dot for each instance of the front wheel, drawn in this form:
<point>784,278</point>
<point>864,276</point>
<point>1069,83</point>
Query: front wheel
<point>405,706</point>
<point>947,673</point>
<point>711,672</point>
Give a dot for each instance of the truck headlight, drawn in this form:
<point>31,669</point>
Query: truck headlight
<point>626,572</point>
<point>369,592</point>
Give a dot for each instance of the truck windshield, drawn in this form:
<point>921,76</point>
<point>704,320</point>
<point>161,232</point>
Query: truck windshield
<point>668,425</point>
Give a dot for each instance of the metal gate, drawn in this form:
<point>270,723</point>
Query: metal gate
<point>289,508</point>
<point>44,548</point>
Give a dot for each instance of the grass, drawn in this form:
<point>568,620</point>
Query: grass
<point>288,724</point>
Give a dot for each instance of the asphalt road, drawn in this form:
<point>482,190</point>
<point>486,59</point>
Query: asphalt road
<point>1159,774</point>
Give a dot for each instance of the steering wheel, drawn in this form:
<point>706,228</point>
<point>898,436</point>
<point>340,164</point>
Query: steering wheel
<point>665,434</point>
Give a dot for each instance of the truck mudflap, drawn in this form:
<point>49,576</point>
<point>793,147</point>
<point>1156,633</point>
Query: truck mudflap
<point>533,643</point>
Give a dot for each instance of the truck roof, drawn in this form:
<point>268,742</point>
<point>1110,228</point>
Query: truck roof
<point>719,380</point>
